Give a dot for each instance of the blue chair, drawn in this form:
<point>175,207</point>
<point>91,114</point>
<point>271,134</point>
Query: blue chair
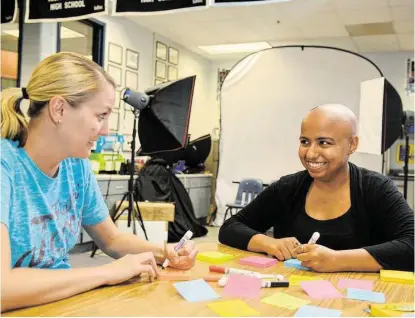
<point>248,190</point>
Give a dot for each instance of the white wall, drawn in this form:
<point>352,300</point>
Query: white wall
<point>128,34</point>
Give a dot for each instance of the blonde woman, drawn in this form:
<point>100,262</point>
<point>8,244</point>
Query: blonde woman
<point>48,190</point>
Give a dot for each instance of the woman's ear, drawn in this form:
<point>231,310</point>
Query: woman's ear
<point>354,143</point>
<point>56,108</point>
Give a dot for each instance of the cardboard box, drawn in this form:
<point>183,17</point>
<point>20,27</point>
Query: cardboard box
<point>153,211</point>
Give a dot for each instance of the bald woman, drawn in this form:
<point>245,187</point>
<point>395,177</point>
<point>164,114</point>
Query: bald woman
<point>364,222</point>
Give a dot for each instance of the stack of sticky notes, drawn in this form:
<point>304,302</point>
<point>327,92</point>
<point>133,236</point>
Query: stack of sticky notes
<point>258,261</point>
<point>295,280</point>
<point>392,310</point>
<point>295,263</point>
<point>397,276</point>
<point>233,308</point>
<point>214,257</point>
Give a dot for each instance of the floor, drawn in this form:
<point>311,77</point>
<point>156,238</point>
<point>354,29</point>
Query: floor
<point>80,256</point>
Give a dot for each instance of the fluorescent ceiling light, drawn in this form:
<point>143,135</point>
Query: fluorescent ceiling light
<point>65,33</point>
<point>235,48</point>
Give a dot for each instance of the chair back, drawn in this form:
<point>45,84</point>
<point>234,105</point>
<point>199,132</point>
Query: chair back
<point>248,190</point>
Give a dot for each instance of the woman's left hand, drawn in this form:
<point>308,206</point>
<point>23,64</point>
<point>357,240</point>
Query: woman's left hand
<point>184,258</point>
<point>319,258</point>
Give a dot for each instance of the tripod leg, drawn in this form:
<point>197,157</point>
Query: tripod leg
<point>140,218</point>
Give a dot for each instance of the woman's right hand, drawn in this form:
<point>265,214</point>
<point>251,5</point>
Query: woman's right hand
<point>283,249</point>
<point>130,266</point>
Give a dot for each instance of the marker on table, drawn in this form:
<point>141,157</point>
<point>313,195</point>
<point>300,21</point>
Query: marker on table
<point>228,270</point>
<point>264,284</point>
<point>187,236</point>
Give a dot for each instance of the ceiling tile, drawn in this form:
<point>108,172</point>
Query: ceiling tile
<point>406,42</point>
<point>370,29</point>
<point>401,2</point>
<point>360,4</point>
<point>364,16</point>
<point>375,43</point>
<point>323,30</point>
<point>402,13</point>
<point>403,26</point>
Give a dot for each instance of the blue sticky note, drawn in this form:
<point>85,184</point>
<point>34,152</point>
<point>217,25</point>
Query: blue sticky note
<point>313,311</point>
<point>196,290</point>
<point>367,295</point>
<point>296,264</point>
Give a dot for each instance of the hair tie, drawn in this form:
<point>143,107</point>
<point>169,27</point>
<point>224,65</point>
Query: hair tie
<point>24,92</point>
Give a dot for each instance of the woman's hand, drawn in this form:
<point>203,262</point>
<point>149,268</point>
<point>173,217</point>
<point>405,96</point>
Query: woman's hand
<point>184,258</point>
<point>283,249</point>
<point>129,267</point>
<point>319,258</point>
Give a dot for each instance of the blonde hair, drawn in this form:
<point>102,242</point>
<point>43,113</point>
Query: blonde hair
<point>70,75</point>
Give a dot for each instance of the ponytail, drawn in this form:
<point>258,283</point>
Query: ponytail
<point>13,122</point>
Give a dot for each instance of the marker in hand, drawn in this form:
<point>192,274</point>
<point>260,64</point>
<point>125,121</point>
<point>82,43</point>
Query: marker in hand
<point>313,240</point>
<point>187,236</point>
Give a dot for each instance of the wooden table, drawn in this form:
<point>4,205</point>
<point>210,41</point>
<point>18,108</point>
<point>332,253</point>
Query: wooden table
<point>160,298</point>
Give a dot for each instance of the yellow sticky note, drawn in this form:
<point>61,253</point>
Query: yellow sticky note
<point>233,308</point>
<point>295,280</point>
<point>214,257</point>
<point>285,301</point>
<point>397,276</point>
<point>391,310</point>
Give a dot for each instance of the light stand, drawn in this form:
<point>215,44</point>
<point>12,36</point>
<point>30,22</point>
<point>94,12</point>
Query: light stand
<point>139,101</point>
<point>407,126</point>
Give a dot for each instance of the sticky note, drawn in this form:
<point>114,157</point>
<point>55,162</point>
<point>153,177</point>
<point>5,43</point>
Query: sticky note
<point>243,286</point>
<point>295,263</point>
<point>196,290</point>
<point>320,289</point>
<point>258,261</point>
<point>285,301</point>
<point>397,276</point>
<point>366,295</point>
<point>313,311</point>
<point>233,308</point>
<point>355,283</point>
<point>214,257</point>
<point>295,280</point>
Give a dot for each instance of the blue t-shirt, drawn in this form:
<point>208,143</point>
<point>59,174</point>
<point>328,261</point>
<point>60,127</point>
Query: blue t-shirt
<point>43,214</point>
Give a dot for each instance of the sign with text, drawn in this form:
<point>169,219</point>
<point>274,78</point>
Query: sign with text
<point>63,10</point>
<point>8,11</point>
<point>131,7</point>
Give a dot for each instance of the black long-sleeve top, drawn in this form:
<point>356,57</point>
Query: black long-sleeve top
<point>379,219</point>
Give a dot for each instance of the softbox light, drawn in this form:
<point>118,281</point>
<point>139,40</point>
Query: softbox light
<point>197,151</point>
<point>164,124</point>
<point>380,116</point>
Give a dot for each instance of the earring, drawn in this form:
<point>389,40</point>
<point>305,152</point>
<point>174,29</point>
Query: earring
<point>59,121</point>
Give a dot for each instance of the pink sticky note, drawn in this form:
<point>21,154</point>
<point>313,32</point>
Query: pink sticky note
<point>243,286</point>
<point>355,283</point>
<point>258,261</point>
<point>320,289</point>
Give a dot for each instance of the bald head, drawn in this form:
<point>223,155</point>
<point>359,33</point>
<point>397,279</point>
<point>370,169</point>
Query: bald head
<point>336,115</point>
